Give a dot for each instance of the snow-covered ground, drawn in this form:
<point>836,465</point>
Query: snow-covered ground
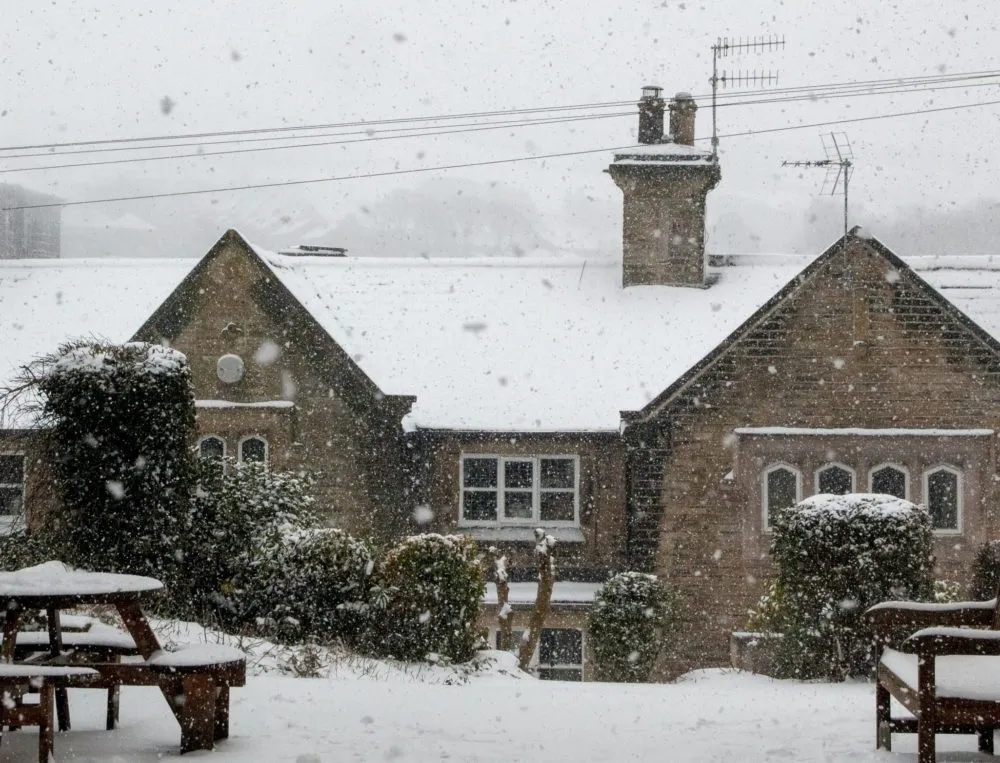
<point>367,711</point>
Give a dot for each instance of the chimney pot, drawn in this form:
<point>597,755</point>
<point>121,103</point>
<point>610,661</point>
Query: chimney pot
<point>682,111</point>
<point>651,110</point>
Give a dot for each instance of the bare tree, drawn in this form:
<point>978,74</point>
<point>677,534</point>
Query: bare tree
<point>504,613</point>
<point>544,545</point>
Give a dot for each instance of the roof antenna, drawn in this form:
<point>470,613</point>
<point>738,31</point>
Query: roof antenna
<point>723,48</point>
<point>839,164</point>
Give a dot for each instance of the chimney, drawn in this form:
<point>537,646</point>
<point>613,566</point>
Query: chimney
<point>682,110</point>
<point>664,185</point>
<point>651,110</point>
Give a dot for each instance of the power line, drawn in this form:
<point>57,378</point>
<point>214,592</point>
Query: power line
<point>436,132</point>
<point>485,163</point>
<point>922,79</point>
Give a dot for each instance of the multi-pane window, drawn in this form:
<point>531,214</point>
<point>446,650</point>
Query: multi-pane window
<point>520,490</point>
<point>253,449</point>
<point>889,480</point>
<point>781,491</point>
<point>11,487</point>
<point>212,447</point>
<point>942,494</point>
<point>558,656</point>
<point>835,480</point>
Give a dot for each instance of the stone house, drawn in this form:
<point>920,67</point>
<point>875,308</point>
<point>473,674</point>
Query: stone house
<point>650,412</point>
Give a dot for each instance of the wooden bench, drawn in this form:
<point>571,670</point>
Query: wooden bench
<point>946,672</point>
<point>18,680</point>
<point>195,681</point>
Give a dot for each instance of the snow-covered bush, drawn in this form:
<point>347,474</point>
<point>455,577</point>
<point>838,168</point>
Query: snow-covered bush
<point>837,556</point>
<point>986,571</point>
<point>428,600</point>
<point>634,618</point>
<point>235,534</point>
<point>315,588</point>
<point>122,417</point>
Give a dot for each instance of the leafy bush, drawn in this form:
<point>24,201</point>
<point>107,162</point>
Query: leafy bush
<point>634,618</point>
<point>316,587</point>
<point>23,549</point>
<point>122,418</point>
<point>986,571</point>
<point>837,556</point>
<point>246,512</point>
<point>428,600</point>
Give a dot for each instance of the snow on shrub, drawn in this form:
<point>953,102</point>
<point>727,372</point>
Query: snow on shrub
<point>315,588</point>
<point>428,600</point>
<point>837,555</point>
<point>633,619</point>
<point>986,571</point>
<point>122,417</point>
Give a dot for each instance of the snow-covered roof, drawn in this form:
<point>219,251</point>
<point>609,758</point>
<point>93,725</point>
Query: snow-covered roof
<point>563,592</point>
<point>663,153</point>
<point>522,344</point>
<point>503,344</point>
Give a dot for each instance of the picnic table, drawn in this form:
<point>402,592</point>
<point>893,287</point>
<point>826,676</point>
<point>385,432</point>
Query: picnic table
<point>195,680</point>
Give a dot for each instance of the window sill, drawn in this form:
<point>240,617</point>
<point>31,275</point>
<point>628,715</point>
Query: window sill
<point>522,534</point>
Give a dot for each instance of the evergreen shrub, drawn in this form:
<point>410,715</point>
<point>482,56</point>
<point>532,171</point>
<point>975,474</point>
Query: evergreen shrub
<point>634,618</point>
<point>428,599</point>
<point>836,556</point>
<point>122,418</point>
<point>986,571</point>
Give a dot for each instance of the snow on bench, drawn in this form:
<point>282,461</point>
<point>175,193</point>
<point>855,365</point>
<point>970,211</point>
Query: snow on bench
<point>196,656</point>
<point>10,672</point>
<point>103,638</point>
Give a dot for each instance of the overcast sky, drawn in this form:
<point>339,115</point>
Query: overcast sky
<point>88,70</point>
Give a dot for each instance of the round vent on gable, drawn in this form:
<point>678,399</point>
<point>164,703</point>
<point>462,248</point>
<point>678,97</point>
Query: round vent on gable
<point>230,368</point>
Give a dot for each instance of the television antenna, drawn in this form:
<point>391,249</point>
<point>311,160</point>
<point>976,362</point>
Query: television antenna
<point>723,48</point>
<point>839,165</point>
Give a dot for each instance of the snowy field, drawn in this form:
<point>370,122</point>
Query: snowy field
<point>367,711</point>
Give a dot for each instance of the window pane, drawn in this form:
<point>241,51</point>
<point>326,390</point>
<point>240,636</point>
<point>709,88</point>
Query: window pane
<point>212,447</point>
<point>836,481</point>
<point>518,473</point>
<point>517,505</point>
<point>558,472</point>
<point>254,449</point>
<point>479,505</point>
<point>479,472</point>
<point>889,481</point>
<point>560,674</point>
<point>557,507</point>
<point>942,499</point>
<point>10,500</point>
<point>560,646</point>
<point>782,489</point>
<point>11,470</point>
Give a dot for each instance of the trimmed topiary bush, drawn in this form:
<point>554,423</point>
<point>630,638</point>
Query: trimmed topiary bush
<point>837,556</point>
<point>428,600</point>
<point>986,571</point>
<point>634,618</point>
<point>122,419</point>
<point>316,587</point>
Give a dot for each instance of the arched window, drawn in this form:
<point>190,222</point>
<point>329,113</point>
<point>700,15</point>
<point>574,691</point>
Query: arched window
<point>943,497</point>
<point>889,479</point>
<point>253,449</point>
<point>781,488</point>
<point>835,479</point>
<point>212,446</point>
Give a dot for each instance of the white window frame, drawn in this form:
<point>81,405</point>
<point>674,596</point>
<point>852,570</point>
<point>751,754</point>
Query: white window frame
<point>220,438</point>
<point>959,497</point>
<point>765,508</point>
<point>262,438</point>
<point>7,522</point>
<point>907,488</point>
<point>536,492</point>
<point>535,664</point>
<point>849,469</point>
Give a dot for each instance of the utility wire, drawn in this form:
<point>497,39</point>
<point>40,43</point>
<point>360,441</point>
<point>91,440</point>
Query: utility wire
<point>486,163</point>
<point>198,154</point>
<point>457,129</point>
<point>736,94</point>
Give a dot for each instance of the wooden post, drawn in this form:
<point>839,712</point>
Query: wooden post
<point>926,721</point>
